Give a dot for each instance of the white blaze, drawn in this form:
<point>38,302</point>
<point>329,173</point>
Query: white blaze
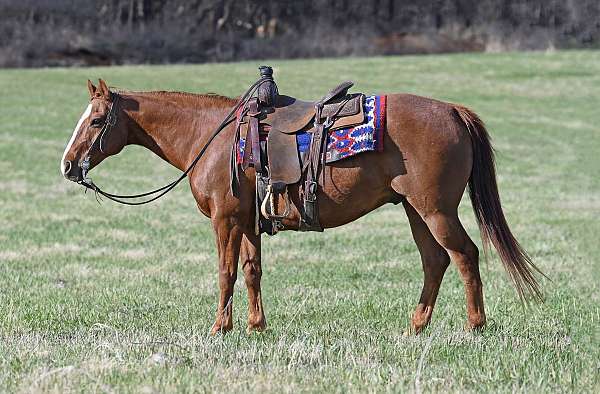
<point>85,115</point>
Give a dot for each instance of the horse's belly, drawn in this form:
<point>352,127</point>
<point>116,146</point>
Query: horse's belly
<point>352,192</point>
<point>352,189</point>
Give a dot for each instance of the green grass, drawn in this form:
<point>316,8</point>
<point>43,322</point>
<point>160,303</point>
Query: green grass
<point>111,298</point>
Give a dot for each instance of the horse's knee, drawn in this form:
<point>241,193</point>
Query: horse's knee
<point>252,271</point>
<point>227,280</point>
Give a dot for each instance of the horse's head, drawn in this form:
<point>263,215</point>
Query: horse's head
<point>100,132</point>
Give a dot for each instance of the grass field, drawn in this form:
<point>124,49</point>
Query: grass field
<point>106,298</point>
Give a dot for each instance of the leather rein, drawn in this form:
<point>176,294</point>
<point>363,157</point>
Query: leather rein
<point>110,122</point>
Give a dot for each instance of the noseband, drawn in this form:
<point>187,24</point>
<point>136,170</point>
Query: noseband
<point>111,120</point>
<point>109,123</point>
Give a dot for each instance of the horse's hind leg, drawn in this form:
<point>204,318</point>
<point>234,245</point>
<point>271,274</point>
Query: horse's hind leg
<point>251,264</point>
<point>449,232</point>
<point>435,260</point>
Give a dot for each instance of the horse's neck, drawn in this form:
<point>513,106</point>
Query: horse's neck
<point>175,126</point>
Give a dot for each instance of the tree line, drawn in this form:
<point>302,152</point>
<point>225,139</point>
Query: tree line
<point>75,32</point>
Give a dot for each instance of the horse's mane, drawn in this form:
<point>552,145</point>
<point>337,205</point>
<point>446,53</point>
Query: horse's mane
<point>214,97</point>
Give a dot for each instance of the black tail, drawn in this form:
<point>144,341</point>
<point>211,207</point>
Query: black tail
<point>485,199</point>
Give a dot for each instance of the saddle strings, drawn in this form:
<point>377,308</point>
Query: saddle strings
<point>89,184</point>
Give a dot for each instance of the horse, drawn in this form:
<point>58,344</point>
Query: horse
<point>432,151</point>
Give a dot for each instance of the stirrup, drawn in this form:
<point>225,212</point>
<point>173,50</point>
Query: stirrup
<point>269,197</point>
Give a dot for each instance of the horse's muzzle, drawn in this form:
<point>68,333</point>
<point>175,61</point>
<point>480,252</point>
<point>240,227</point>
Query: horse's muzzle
<point>71,172</point>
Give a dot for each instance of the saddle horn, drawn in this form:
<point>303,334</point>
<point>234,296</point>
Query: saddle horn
<point>267,90</point>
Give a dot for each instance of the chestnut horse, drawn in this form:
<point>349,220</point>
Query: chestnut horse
<point>432,150</point>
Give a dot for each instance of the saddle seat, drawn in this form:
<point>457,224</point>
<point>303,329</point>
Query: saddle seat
<point>290,115</point>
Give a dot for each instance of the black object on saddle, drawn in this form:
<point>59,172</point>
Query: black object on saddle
<point>267,91</point>
<point>277,162</point>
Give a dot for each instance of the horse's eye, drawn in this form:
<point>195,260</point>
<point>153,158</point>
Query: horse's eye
<point>96,122</point>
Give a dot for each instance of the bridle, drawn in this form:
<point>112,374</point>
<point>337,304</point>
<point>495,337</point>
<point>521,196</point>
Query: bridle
<point>111,121</point>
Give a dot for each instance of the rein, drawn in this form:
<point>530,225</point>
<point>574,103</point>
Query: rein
<point>111,120</point>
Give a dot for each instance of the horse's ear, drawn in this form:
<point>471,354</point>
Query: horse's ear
<point>91,88</point>
<point>103,89</point>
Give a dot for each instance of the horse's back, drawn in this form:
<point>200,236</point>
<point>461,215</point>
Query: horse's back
<point>417,120</point>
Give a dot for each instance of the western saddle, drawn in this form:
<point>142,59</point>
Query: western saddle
<point>276,158</point>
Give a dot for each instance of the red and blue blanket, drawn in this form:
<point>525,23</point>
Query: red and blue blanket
<point>348,142</point>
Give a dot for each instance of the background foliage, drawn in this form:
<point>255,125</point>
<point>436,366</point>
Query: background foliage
<point>67,32</point>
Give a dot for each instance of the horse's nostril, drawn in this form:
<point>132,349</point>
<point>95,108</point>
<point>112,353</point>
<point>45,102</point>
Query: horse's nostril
<point>67,167</point>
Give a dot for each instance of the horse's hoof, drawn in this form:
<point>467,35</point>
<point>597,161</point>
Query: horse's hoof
<point>413,330</point>
<point>476,323</point>
<point>416,329</point>
<point>474,328</point>
<point>220,329</point>
<point>256,328</point>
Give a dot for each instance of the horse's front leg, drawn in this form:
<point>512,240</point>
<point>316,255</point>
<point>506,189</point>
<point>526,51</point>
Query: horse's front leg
<point>229,237</point>
<point>251,264</point>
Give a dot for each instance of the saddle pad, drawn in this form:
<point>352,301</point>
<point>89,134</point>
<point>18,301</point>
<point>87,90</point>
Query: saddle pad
<point>348,142</point>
